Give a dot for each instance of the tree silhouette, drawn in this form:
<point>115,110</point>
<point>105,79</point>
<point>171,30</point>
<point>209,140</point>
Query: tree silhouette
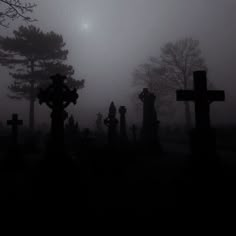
<point>150,75</point>
<point>14,9</point>
<point>172,70</point>
<point>33,56</point>
<point>178,61</point>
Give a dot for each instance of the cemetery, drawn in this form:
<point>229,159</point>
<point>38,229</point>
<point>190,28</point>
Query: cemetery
<point>116,168</point>
<point>119,111</point>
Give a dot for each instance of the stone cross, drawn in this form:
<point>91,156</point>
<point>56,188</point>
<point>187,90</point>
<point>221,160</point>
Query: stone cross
<point>123,131</point>
<point>14,123</point>
<point>150,122</point>
<point>202,137</point>
<point>111,122</point>
<point>202,99</point>
<point>57,97</point>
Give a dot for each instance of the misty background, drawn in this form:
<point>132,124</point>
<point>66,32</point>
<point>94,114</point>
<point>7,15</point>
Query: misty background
<point>122,34</point>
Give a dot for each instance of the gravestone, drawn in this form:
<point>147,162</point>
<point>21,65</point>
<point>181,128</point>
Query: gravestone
<point>134,133</point>
<point>203,137</point>
<point>72,134</point>
<point>57,97</point>
<point>72,127</point>
<point>123,130</point>
<point>99,124</point>
<point>111,122</point>
<point>150,122</point>
<point>14,123</point>
<point>87,139</point>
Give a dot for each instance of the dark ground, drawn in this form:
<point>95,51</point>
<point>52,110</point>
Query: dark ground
<point>102,181</point>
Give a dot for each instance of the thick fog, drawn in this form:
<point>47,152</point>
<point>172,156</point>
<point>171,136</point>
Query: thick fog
<point>107,39</point>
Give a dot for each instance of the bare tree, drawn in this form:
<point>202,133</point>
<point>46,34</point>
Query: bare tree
<point>171,71</point>
<point>178,61</point>
<point>143,76</point>
<point>13,9</point>
<point>150,75</point>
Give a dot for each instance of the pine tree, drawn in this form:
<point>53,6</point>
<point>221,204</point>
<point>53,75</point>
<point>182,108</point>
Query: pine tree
<point>32,57</point>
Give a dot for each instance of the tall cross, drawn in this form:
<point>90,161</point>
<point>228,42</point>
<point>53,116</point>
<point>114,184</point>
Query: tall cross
<point>57,97</point>
<point>202,98</point>
<point>14,123</point>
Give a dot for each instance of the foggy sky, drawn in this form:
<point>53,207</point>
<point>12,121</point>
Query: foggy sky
<point>123,34</point>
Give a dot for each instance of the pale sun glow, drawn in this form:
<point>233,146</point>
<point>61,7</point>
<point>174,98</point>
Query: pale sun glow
<point>85,27</point>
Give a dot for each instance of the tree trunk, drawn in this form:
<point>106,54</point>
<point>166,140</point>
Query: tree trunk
<point>32,99</point>
<point>31,109</point>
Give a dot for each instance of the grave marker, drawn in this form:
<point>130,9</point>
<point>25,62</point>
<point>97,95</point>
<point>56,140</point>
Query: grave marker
<point>203,138</point>
<point>111,122</point>
<point>57,97</point>
<point>14,123</point>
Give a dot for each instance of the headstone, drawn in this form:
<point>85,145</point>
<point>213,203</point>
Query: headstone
<point>87,139</point>
<point>14,123</point>
<point>150,121</point>
<point>72,127</point>
<point>72,134</point>
<point>111,122</point>
<point>134,133</point>
<point>203,138</point>
<point>57,97</point>
<point>123,130</point>
<point>99,123</point>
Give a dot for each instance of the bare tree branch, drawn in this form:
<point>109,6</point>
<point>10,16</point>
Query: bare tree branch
<point>11,10</point>
<point>172,70</point>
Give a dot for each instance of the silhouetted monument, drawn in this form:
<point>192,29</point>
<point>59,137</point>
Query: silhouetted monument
<point>99,123</point>
<point>72,134</point>
<point>111,122</point>
<point>134,133</point>
<point>203,138</point>
<point>87,139</point>
<point>57,97</point>
<point>72,127</point>
<point>14,123</point>
<point>150,122</point>
<point>123,129</point>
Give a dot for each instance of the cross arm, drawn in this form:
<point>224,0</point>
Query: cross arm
<point>216,96</point>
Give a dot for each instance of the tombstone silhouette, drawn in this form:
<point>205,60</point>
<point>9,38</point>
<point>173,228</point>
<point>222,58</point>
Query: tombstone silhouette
<point>72,134</point>
<point>123,130</point>
<point>134,133</point>
<point>14,123</point>
<point>203,136</point>
<point>111,122</point>
<point>99,123</point>
<point>150,122</point>
<point>72,127</point>
<point>57,97</point>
